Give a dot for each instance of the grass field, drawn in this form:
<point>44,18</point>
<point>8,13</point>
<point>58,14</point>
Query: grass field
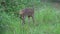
<point>47,21</point>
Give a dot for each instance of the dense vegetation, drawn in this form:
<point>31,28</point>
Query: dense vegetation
<point>47,18</point>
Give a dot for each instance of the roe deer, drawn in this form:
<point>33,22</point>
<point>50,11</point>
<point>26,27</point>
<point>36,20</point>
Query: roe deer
<point>29,12</point>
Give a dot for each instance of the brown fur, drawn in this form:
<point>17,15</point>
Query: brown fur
<point>29,12</point>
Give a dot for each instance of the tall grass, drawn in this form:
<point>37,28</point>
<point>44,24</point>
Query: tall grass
<point>47,21</point>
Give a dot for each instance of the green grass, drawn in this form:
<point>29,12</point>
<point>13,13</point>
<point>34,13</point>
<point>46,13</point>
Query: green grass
<point>47,21</point>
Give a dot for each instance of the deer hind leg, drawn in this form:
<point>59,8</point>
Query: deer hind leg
<point>33,18</point>
<point>28,19</point>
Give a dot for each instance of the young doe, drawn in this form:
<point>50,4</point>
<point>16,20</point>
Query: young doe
<point>29,12</point>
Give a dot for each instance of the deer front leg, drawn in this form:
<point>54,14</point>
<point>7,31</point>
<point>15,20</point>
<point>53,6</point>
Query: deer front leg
<point>23,20</point>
